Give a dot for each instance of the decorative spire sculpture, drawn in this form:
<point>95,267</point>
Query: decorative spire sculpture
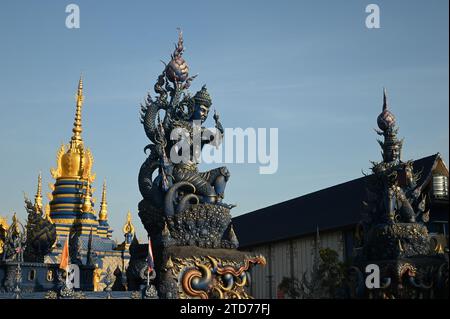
<point>395,235</point>
<point>103,213</point>
<point>77,129</point>
<point>38,197</point>
<point>183,207</point>
<point>128,229</point>
<point>87,205</point>
<point>391,146</point>
<point>47,213</point>
<point>71,199</point>
<point>77,161</point>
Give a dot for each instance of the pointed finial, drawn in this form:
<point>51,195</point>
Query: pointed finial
<point>47,213</point>
<point>38,196</point>
<point>128,228</point>
<point>77,129</point>
<point>87,206</point>
<point>169,263</point>
<point>165,231</point>
<point>385,106</point>
<point>103,214</point>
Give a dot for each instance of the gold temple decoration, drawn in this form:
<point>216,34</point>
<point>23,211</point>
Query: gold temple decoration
<point>207,277</point>
<point>103,214</point>
<point>73,160</point>
<point>38,197</point>
<point>169,264</point>
<point>128,228</point>
<point>3,223</point>
<point>87,205</point>
<point>47,213</point>
<point>96,280</point>
<point>15,224</point>
<point>3,229</point>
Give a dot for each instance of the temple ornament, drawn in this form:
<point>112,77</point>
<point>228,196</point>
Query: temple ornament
<point>182,209</point>
<point>74,160</point>
<point>128,229</point>
<point>393,234</point>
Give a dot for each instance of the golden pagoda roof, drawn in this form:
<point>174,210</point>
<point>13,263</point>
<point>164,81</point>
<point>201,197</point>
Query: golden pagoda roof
<point>73,160</point>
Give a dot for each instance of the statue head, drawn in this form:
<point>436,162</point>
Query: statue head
<point>202,103</point>
<point>392,148</point>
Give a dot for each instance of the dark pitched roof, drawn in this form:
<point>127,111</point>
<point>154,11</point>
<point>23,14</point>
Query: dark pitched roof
<point>330,208</point>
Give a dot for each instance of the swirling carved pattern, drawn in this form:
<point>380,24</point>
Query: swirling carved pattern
<point>210,277</point>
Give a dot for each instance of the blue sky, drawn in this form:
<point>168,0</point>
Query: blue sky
<point>310,68</point>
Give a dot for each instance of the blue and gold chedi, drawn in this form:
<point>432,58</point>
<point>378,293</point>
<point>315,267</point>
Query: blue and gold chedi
<point>72,205</point>
<point>34,251</point>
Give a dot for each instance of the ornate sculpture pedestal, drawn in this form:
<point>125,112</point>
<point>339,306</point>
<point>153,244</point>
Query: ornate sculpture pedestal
<point>424,277</point>
<point>192,272</point>
<point>195,255</point>
<point>389,241</point>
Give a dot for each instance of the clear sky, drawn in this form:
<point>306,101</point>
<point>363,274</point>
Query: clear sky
<point>310,68</point>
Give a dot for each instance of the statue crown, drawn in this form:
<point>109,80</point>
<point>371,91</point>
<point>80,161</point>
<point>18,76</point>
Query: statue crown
<point>203,97</point>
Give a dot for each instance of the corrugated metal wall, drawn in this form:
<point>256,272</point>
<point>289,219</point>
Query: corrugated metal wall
<point>287,258</point>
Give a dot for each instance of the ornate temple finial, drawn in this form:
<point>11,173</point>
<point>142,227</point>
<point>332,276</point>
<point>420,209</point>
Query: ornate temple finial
<point>15,225</point>
<point>47,213</point>
<point>103,214</point>
<point>128,228</point>
<point>177,70</point>
<point>386,122</point>
<point>384,99</point>
<point>232,237</point>
<point>87,205</point>
<point>77,129</point>
<point>38,196</point>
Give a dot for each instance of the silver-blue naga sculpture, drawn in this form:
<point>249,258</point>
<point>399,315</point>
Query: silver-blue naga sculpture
<point>178,198</point>
<point>393,232</point>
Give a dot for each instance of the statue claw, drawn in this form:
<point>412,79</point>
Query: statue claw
<point>229,206</point>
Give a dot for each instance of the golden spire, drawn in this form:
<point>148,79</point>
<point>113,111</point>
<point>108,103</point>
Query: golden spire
<point>128,228</point>
<point>38,196</point>
<point>103,214</point>
<point>76,137</point>
<point>87,206</point>
<point>47,213</point>
<point>15,224</point>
